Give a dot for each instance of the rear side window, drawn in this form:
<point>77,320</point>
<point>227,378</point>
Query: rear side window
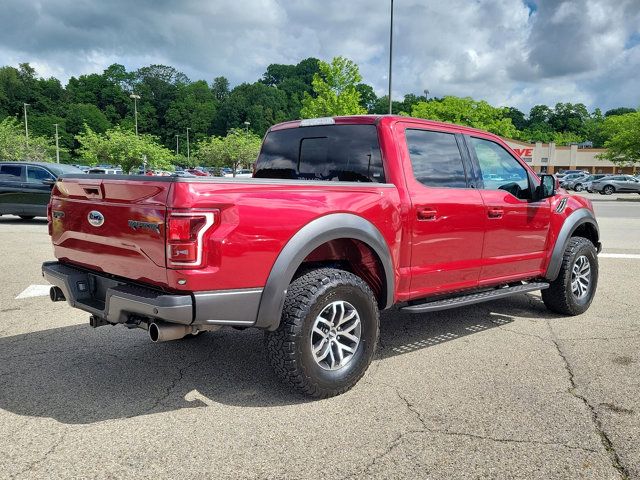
<point>328,152</point>
<point>11,173</point>
<point>435,159</point>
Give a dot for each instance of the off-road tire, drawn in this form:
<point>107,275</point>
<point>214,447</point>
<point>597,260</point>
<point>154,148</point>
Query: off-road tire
<point>289,347</point>
<point>559,297</point>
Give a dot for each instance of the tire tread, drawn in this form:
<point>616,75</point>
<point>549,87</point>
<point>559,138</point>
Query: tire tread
<point>281,343</point>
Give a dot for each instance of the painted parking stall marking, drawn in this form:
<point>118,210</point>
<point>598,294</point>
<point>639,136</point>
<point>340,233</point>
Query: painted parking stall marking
<point>635,256</point>
<point>34,291</point>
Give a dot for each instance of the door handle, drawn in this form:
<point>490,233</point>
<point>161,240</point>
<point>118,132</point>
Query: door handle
<point>495,212</point>
<point>427,213</point>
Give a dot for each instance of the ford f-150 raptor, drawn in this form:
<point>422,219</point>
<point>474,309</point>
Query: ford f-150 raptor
<point>343,217</point>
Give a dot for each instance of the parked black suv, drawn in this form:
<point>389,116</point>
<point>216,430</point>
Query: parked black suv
<point>25,187</point>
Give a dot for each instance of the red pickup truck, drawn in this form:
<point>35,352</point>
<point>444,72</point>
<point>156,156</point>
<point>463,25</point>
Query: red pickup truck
<point>343,217</point>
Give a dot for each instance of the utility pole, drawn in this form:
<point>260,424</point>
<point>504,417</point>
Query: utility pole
<point>135,109</point>
<point>57,145</point>
<point>26,125</point>
<point>390,57</point>
<point>188,153</point>
<point>177,144</point>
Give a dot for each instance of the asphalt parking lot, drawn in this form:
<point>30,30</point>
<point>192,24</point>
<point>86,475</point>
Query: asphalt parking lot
<point>498,390</point>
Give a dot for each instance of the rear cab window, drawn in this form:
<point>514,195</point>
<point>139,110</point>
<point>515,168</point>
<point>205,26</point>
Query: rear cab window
<point>348,153</point>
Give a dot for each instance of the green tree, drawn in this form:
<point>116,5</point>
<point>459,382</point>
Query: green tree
<point>256,103</point>
<point>368,96</point>
<point>623,144</point>
<point>294,80</point>
<point>13,144</point>
<point>517,118</point>
<point>194,107</point>
<point>124,148</point>
<point>235,149</point>
<point>220,88</point>
<point>335,90</point>
<point>569,117</point>
<point>619,111</point>
<point>467,111</point>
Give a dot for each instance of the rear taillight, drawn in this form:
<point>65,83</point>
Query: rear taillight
<point>185,237</point>
<point>49,219</point>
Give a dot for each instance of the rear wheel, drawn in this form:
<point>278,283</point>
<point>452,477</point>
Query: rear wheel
<point>327,334</point>
<point>608,189</point>
<point>573,290</point>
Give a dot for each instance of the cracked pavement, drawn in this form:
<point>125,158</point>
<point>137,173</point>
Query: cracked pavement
<point>497,390</point>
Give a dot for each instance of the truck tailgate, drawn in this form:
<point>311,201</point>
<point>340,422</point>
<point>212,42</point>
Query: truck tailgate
<point>115,226</point>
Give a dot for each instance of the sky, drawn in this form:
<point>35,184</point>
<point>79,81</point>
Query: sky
<point>509,52</point>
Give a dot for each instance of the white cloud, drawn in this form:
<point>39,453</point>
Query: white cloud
<point>491,49</point>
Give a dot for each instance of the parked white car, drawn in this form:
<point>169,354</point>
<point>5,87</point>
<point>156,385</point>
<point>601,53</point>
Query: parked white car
<point>241,173</point>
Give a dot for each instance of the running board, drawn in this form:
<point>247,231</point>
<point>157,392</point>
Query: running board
<point>472,298</point>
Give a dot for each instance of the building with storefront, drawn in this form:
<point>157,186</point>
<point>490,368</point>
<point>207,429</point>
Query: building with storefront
<point>549,158</point>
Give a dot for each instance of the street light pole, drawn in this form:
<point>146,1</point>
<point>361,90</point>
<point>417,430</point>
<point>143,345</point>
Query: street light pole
<point>390,57</point>
<point>135,109</point>
<point>26,124</point>
<point>177,144</point>
<point>188,153</point>
<point>246,127</point>
<point>57,145</point>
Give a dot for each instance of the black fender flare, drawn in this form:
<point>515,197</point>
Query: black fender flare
<point>305,241</point>
<point>571,223</point>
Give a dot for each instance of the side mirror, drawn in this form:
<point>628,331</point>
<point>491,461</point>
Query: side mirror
<point>49,181</point>
<point>547,187</point>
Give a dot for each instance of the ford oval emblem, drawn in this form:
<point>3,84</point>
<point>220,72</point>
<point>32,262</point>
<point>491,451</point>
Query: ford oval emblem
<point>95,218</point>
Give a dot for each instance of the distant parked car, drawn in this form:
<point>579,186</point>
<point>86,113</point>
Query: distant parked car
<point>616,184</point>
<point>106,171</point>
<point>579,184</point>
<point>571,176</point>
<point>241,173</point>
<point>182,173</point>
<point>25,187</point>
<point>197,172</point>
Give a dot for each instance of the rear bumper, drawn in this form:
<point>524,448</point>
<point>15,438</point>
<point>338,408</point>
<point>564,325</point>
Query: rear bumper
<point>116,300</point>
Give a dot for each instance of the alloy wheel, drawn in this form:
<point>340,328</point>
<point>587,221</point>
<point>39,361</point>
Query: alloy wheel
<point>335,335</point>
<point>581,277</point>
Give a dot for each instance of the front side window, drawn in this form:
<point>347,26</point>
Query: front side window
<point>435,159</point>
<point>11,173</point>
<point>499,170</point>
<point>37,175</point>
<point>323,152</point>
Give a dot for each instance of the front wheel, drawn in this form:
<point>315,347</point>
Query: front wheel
<point>578,188</point>
<point>608,190</point>
<point>27,217</point>
<point>327,334</point>
<point>573,290</point>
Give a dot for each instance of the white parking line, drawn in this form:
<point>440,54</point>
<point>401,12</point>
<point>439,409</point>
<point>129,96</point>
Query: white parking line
<point>620,255</point>
<point>35,291</point>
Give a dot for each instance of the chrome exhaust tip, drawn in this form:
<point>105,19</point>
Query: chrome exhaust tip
<point>165,332</point>
<point>56,294</point>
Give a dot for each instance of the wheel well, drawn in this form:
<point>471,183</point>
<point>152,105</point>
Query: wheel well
<point>588,231</point>
<point>353,256</point>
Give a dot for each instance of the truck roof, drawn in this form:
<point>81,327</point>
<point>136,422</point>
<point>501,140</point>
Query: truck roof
<point>373,120</point>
